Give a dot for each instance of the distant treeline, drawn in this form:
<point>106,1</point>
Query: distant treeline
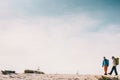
<point>33,71</point>
<point>7,72</point>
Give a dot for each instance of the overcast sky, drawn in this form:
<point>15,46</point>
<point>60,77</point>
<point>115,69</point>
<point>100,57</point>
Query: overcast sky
<point>59,36</point>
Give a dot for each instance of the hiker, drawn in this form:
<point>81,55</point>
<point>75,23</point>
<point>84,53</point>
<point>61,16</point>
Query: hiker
<point>114,66</point>
<point>105,64</point>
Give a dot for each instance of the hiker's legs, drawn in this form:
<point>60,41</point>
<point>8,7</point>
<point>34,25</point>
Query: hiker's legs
<point>115,70</point>
<point>105,70</point>
<point>111,70</point>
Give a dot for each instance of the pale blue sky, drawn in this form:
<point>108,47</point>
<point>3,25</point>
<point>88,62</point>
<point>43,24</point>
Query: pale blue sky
<point>62,36</point>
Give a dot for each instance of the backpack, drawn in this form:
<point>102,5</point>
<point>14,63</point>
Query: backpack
<point>117,61</point>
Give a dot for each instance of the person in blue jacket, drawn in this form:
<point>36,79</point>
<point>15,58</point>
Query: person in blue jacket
<point>105,64</point>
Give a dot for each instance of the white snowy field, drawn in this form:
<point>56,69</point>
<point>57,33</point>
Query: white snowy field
<point>50,77</point>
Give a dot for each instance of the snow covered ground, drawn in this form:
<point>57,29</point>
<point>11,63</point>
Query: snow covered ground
<point>49,77</point>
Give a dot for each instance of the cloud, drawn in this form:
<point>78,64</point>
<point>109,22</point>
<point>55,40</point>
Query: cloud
<point>65,25</point>
<point>57,43</point>
<point>111,29</point>
<point>6,8</point>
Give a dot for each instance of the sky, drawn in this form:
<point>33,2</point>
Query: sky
<point>59,36</point>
